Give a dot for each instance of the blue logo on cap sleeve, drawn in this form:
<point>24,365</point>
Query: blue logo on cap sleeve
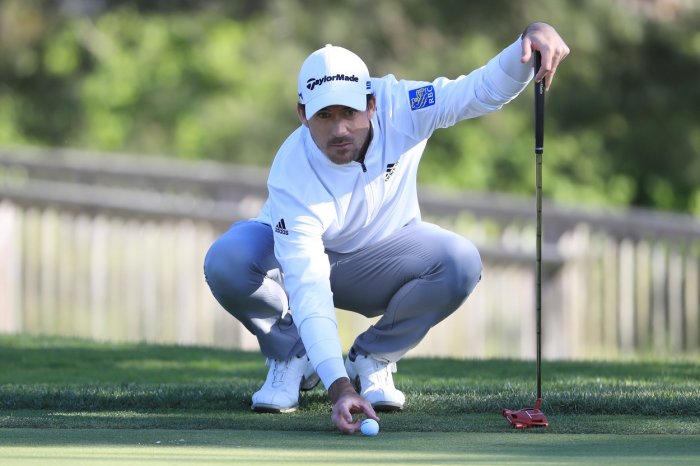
<point>421,97</point>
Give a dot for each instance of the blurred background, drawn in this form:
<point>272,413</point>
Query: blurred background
<point>132,133</point>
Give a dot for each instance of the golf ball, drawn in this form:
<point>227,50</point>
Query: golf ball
<point>369,427</point>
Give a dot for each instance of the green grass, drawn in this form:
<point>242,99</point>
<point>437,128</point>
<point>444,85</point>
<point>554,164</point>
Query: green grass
<point>74,402</point>
<point>70,383</point>
<point>202,447</point>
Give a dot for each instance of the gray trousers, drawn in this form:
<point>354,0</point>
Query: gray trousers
<point>413,279</point>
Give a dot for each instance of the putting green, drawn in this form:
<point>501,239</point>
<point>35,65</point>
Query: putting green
<point>204,447</point>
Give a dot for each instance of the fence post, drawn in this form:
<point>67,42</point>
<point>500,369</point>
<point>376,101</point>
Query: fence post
<point>659,269</point>
<point>643,296</point>
<point>692,298</point>
<point>610,290</point>
<point>626,296</point>
<point>675,298</point>
<point>10,268</point>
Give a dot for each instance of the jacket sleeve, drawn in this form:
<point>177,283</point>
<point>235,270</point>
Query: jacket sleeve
<point>301,254</point>
<point>421,107</point>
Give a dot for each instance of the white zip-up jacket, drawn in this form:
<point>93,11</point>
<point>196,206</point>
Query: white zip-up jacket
<point>315,205</point>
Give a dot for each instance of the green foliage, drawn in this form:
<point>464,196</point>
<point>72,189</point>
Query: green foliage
<point>218,81</point>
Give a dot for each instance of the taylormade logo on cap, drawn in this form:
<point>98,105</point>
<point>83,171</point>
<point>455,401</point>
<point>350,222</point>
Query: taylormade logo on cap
<point>311,83</point>
<point>333,76</point>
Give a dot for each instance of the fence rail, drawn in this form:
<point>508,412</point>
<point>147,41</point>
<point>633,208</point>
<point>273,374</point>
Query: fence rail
<point>111,246</point>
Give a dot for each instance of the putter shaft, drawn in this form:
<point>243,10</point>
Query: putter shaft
<point>539,149</point>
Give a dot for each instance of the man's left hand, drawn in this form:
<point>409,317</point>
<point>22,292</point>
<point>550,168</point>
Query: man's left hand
<point>545,39</point>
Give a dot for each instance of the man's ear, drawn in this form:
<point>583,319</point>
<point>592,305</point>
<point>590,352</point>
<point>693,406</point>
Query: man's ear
<point>301,113</point>
<point>371,106</point>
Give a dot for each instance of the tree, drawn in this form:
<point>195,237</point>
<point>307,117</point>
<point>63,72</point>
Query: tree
<point>217,79</point>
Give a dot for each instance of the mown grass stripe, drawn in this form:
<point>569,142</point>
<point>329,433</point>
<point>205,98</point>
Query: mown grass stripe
<point>74,382</point>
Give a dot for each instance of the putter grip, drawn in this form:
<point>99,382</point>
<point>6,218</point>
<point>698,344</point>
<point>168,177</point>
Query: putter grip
<point>539,107</point>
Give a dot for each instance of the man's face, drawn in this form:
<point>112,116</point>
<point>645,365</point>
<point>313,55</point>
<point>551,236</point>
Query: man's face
<point>340,132</point>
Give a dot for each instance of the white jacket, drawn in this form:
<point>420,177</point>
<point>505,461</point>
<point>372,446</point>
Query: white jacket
<point>314,204</point>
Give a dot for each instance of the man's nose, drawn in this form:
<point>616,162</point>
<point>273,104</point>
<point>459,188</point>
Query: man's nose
<point>340,127</point>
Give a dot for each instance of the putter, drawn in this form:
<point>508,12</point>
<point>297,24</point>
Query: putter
<point>533,417</point>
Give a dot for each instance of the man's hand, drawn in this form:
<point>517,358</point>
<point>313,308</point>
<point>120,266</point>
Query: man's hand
<point>545,39</point>
<point>347,402</point>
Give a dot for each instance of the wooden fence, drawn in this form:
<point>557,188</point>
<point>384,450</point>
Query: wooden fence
<point>111,247</point>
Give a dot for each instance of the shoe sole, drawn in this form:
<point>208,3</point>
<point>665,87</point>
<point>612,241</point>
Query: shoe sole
<point>387,407</point>
<point>272,409</point>
<point>310,383</point>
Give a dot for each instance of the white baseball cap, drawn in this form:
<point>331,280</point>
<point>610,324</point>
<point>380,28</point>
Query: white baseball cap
<point>333,76</point>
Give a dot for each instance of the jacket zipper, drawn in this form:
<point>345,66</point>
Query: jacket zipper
<point>369,192</point>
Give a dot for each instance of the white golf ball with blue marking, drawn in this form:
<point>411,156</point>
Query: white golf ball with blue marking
<point>369,427</point>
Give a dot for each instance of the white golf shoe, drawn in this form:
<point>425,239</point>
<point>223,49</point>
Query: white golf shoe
<point>280,392</point>
<point>374,382</point>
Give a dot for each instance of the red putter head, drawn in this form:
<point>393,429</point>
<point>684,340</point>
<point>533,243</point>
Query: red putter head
<point>527,417</point>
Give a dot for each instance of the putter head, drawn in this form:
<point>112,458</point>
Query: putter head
<point>526,417</point>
